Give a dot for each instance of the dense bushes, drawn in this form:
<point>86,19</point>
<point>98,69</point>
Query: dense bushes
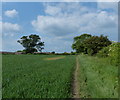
<point>96,43</point>
<point>112,52</point>
<point>104,52</point>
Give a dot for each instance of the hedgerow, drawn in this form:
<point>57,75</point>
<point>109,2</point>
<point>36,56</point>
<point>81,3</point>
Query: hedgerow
<point>112,52</point>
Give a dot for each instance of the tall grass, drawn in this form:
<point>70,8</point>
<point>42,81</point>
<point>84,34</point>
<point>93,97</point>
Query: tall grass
<point>98,78</point>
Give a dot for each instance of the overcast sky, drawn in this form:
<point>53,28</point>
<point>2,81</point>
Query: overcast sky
<point>57,23</point>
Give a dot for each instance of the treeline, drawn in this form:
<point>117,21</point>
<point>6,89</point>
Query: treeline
<point>99,46</point>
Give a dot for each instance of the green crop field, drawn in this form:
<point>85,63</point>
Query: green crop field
<point>98,78</point>
<point>32,76</point>
<point>51,76</point>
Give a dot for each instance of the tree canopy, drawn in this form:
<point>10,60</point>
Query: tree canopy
<point>89,44</point>
<point>31,43</point>
<point>78,44</point>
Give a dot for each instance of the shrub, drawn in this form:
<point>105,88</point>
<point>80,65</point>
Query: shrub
<point>90,52</point>
<point>19,51</point>
<point>104,52</point>
<point>96,43</point>
<point>114,53</point>
<point>73,53</point>
<point>65,53</point>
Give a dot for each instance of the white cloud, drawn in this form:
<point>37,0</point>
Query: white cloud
<point>108,5</point>
<point>11,13</point>
<point>52,10</point>
<point>9,43</point>
<point>55,25</point>
<point>58,29</point>
<point>75,22</point>
<point>9,36</point>
<point>9,29</point>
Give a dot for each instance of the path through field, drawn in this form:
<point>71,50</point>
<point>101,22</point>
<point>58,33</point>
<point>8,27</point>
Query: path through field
<point>76,81</point>
<point>54,58</point>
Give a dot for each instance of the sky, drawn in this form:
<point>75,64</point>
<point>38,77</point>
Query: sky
<point>57,23</point>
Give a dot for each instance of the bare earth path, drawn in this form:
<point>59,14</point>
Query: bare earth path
<point>55,58</point>
<point>76,85</point>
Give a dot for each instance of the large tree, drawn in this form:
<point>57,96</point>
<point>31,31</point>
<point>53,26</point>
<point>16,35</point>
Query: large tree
<point>78,42</point>
<point>89,44</point>
<point>31,43</point>
<point>96,43</point>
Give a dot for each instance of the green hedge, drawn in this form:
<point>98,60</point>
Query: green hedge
<point>112,51</point>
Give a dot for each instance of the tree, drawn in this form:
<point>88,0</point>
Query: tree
<point>96,43</point>
<point>31,43</point>
<point>78,42</point>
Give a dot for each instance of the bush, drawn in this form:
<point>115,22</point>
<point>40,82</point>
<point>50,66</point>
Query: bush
<point>73,53</point>
<point>90,52</point>
<point>19,51</point>
<point>104,52</point>
<point>96,43</point>
<point>114,53</point>
<point>65,53</point>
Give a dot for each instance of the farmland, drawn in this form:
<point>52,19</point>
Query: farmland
<point>33,76</point>
<point>51,76</point>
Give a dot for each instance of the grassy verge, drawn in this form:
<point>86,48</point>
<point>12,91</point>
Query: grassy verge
<point>98,78</point>
<point>30,76</point>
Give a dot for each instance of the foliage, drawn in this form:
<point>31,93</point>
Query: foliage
<point>103,52</point>
<point>65,53</point>
<point>78,44</point>
<point>114,53</point>
<point>96,43</point>
<point>19,51</point>
<point>53,52</point>
<point>31,43</point>
<point>89,44</point>
<point>73,53</point>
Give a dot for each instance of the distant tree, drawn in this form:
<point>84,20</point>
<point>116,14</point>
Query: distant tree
<point>72,53</point>
<point>53,52</point>
<point>96,43</point>
<point>78,44</point>
<point>31,43</point>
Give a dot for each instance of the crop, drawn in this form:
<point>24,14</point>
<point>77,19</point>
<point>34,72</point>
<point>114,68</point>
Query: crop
<point>31,76</point>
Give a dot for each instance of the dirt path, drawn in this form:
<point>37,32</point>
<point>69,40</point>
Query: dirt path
<point>76,81</point>
<point>54,58</point>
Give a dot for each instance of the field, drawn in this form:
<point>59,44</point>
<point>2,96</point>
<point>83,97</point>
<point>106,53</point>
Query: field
<point>51,76</point>
<point>36,76</point>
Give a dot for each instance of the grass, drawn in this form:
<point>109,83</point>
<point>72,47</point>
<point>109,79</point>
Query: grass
<point>50,76</point>
<point>98,78</point>
<point>30,76</point>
